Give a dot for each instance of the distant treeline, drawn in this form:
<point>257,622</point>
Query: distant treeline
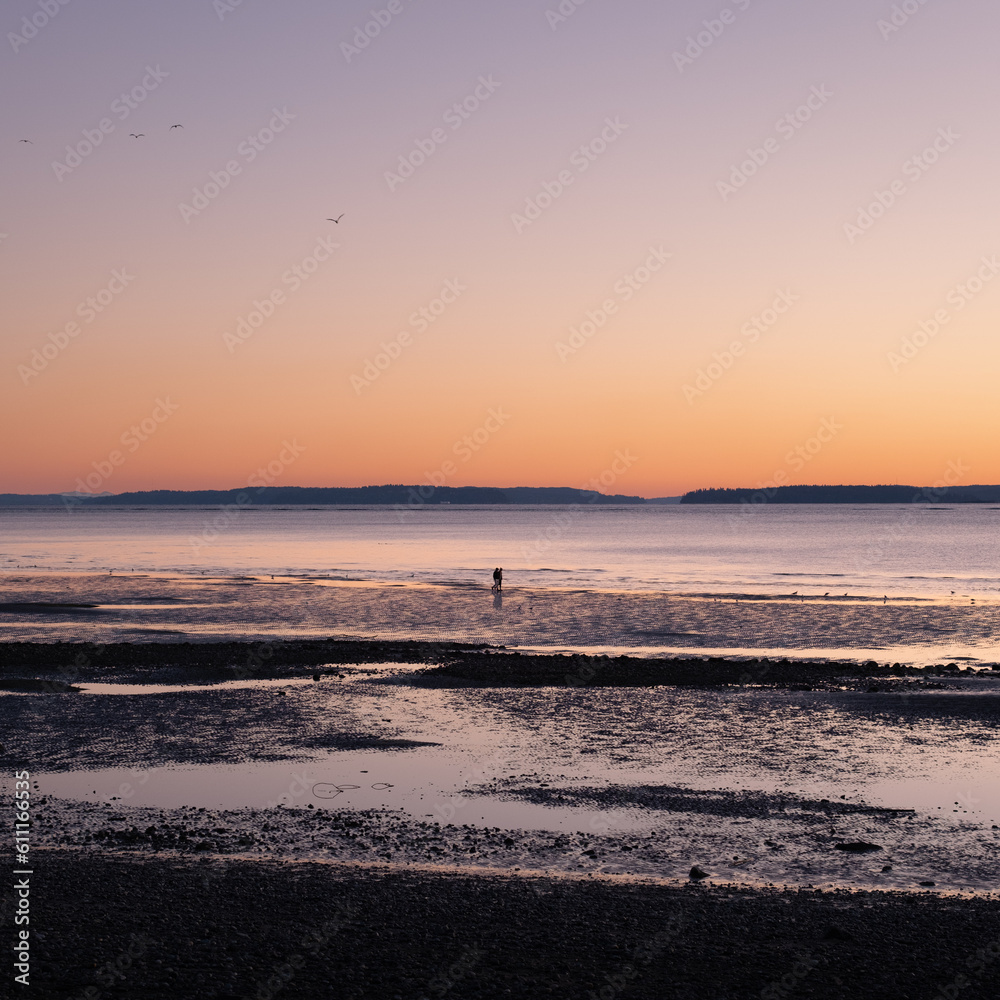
<point>412,496</point>
<point>419,496</point>
<point>848,494</point>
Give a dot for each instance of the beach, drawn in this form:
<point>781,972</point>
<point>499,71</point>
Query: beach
<point>162,927</point>
<point>499,501</point>
<point>566,792</point>
<point>131,607</point>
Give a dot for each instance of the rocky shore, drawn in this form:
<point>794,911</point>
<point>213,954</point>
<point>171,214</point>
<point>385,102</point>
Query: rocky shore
<point>64,663</point>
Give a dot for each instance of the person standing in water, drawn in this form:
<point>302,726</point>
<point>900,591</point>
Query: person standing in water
<point>498,579</point>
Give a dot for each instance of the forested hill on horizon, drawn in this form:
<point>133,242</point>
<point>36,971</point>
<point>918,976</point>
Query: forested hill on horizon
<point>846,494</point>
<point>419,496</point>
<point>414,496</point>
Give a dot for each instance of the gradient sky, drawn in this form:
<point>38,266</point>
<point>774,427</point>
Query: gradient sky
<point>294,394</point>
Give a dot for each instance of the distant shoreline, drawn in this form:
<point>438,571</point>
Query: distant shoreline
<point>419,496</point>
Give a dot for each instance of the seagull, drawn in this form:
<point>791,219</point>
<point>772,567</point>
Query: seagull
<point>177,126</point>
<point>339,217</point>
<point>137,136</point>
<point>30,143</point>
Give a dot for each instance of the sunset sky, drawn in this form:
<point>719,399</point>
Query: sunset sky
<point>831,178</point>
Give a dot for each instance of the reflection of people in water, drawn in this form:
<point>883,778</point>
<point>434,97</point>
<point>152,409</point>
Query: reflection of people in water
<point>497,599</point>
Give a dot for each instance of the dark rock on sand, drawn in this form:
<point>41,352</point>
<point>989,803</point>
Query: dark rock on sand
<point>858,847</point>
<point>697,874</point>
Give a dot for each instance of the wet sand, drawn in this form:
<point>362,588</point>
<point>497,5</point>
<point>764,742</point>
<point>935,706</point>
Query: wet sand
<point>735,838</point>
<point>136,607</point>
<point>538,815</point>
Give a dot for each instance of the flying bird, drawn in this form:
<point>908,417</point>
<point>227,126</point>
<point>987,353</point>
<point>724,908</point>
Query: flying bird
<point>177,126</point>
<point>137,135</point>
<point>339,217</point>
<point>27,141</point>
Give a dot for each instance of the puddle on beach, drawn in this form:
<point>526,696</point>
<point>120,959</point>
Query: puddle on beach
<point>922,750</point>
<point>933,751</point>
<point>424,788</point>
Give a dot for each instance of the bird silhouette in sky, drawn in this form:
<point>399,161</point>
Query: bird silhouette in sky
<point>177,126</point>
<point>27,141</point>
<point>137,135</point>
<point>339,217</point>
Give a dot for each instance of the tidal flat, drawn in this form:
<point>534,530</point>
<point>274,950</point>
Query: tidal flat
<point>261,815</point>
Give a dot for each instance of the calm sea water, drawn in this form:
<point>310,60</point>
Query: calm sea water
<point>863,549</point>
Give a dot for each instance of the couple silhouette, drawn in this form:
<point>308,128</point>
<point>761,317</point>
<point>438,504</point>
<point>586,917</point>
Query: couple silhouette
<point>497,579</point>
